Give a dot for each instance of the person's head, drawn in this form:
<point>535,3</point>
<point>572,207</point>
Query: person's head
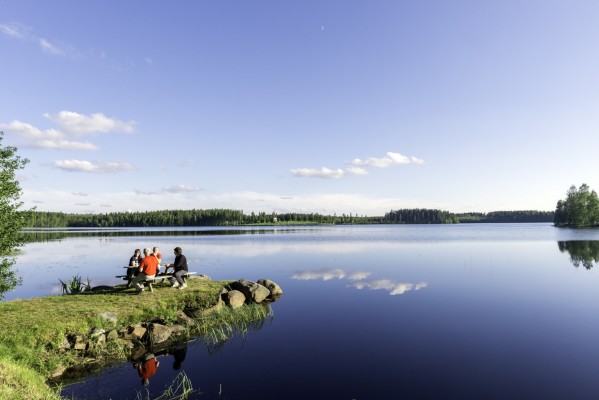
<point>147,251</point>
<point>137,252</point>
<point>145,382</point>
<point>178,250</point>
<point>155,249</point>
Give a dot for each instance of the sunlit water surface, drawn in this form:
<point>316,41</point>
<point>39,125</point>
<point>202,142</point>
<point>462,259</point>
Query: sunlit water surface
<point>490,311</point>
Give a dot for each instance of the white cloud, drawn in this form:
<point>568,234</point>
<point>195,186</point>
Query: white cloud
<point>51,48</point>
<point>48,139</point>
<point>21,32</point>
<point>66,145</point>
<point>356,171</point>
<point>79,124</point>
<point>318,173</point>
<point>388,160</point>
<point>182,189</point>
<point>13,30</point>
<point>358,276</point>
<point>88,166</point>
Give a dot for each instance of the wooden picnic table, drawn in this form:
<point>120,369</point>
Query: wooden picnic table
<point>159,277</point>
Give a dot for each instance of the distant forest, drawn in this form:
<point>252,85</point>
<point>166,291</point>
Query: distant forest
<point>227,217</point>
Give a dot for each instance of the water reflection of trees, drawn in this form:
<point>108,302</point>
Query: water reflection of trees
<point>42,235</point>
<point>582,252</point>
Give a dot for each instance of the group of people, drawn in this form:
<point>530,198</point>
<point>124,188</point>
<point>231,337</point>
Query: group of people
<point>147,267</point>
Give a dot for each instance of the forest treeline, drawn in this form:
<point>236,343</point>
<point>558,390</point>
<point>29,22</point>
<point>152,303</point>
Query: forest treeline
<point>228,217</point>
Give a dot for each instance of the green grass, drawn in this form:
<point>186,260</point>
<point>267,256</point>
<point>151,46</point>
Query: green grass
<point>32,331</point>
<point>21,382</point>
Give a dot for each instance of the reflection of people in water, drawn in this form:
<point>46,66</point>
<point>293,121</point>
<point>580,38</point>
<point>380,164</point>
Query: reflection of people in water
<point>179,356</point>
<point>147,368</point>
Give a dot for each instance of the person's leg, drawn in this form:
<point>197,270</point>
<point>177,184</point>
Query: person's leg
<point>179,277</point>
<point>137,282</point>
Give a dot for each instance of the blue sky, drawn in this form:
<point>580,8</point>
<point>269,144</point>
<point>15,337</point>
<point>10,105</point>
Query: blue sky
<point>301,106</point>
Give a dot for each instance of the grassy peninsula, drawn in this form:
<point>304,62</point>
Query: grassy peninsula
<point>33,331</point>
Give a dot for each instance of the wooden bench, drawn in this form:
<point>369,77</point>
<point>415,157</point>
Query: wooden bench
<point>156,279</point>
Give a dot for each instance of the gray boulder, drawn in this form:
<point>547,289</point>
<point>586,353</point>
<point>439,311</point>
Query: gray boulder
<point>275,290</point>
<point>251,290</point>
<point>234,299</point>
<point>160,333</point>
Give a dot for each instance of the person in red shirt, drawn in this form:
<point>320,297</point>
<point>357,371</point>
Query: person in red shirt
<point>148,368</point>
<point>148,267</point>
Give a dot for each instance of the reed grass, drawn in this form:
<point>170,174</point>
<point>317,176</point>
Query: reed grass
<point>180,389</point>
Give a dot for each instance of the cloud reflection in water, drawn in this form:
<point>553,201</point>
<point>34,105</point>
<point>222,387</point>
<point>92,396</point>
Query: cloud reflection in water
<point>394,288</point>
<point>358,280</point>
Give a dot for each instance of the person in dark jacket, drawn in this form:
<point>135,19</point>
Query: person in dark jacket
<point>180,266</point>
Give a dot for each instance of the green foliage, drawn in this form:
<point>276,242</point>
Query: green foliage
<point>223,217</point>
<point>522,216</point>
<point>580,208</point>
<point>75,285</point>
<point>419,216</point>
<point>194,217</point>
<point>11,220</point>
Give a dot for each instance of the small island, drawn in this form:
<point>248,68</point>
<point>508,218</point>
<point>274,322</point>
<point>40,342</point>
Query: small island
<point>70,336</point>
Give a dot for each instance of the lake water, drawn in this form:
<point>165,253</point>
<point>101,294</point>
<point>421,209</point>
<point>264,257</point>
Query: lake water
<point>489,311</point>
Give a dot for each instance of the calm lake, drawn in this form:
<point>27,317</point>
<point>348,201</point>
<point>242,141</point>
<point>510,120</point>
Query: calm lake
<point>471,311</point>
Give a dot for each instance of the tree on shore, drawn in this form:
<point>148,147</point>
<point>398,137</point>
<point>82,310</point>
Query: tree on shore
<point>11,219</point>
<point>580,208</point>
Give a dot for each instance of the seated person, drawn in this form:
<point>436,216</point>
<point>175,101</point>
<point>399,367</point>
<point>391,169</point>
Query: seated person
<point>134,261</point>
<point>147,270</point>
<point>180,266</point>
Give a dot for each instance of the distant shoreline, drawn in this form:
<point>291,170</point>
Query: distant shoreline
<point>227,217</point>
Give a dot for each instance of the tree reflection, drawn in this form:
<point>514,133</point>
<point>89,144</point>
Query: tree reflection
<point>585,252</point>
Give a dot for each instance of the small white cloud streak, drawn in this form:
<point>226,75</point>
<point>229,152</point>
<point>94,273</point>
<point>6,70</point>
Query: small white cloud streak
<point>388,160</point>
<point>88,166</point>
<point>13,30</point>
<point>51,48</point>
<point>66,145</point>
<point>21,32</point>
<point>79,124</point>
<point>325,173</point>
<point>182,189</point>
